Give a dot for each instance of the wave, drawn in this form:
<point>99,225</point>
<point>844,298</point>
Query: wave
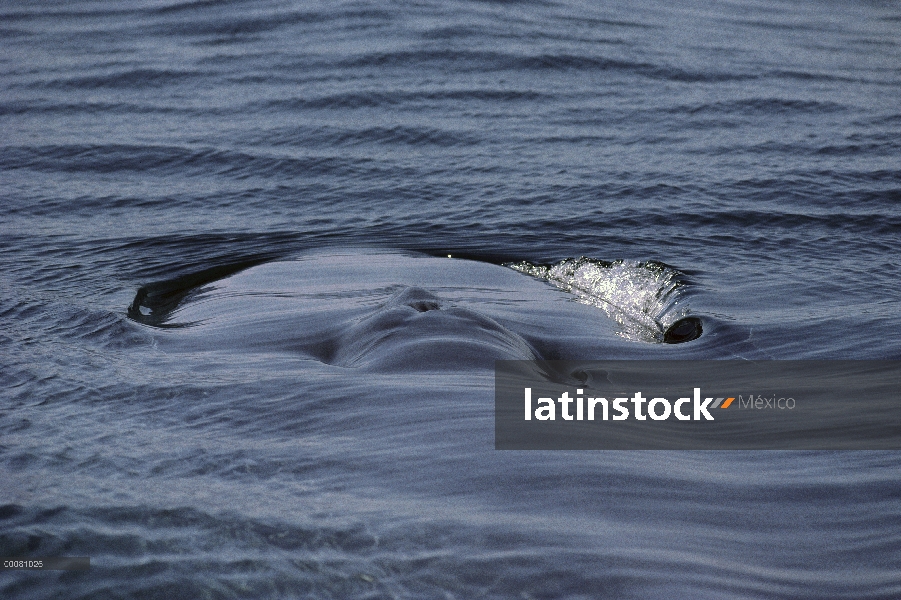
<point>643,297</point>
<point>111,158</point>
<point>131,79</point>
<point>401,98</point>
<point>763,107</point>
<point>484,61</point>
<point>398,134</point>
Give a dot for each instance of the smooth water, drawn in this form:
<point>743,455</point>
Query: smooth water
<point>237,361</point>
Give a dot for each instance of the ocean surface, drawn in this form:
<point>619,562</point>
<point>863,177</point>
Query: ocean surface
<point>257,260</point>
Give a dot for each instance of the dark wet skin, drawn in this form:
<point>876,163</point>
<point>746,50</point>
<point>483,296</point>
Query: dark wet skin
<point>683,330</point>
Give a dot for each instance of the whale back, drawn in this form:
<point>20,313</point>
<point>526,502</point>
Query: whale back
<point>387,311</point>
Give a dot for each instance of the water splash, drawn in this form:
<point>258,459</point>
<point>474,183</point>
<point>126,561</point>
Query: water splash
<point>644,298</point>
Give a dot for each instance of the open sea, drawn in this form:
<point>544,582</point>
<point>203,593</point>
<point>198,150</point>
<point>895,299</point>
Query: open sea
<point>257,259</point>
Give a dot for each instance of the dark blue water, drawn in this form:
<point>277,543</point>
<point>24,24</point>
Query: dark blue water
<point>295,430</point>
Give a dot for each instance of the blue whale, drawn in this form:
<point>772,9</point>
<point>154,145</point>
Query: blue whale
<point>384,311</point>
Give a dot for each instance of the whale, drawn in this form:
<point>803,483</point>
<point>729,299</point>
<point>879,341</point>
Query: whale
<point>417,328</point>
<point>384,311</point>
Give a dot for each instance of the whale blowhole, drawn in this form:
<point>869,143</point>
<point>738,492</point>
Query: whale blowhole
<point>685,329</point>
